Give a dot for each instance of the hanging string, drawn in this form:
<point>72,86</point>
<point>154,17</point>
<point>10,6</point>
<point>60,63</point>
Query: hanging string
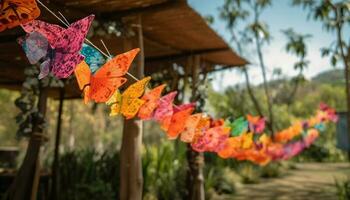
<point>66,23</point>
<point>104,45</point>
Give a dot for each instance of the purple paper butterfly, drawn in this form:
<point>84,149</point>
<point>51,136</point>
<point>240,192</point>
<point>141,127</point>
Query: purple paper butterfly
<point>66,45</point>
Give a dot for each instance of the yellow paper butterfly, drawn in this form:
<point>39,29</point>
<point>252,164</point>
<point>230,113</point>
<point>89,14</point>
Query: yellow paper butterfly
<point>128,103</point>
<point>247,140</point>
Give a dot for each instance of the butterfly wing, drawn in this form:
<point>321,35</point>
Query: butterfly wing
<point>115,103</point>
<point>239,126</point>
<point>35,46</point>
<point>109,77</point>
<point>83,75</point>
<point>44,69</point>
<point>247,140</point>
<point>63,64</point>
<point>202,126</point>
<point>232,148</point>
<point>190,127</point>
<point>137,89</point>
<point>130,106</point>
<point>16,12</point>
<point>178,122</point>
<point>117,66</point>
<point>184,107</point>
<point>151,102</point>
<point>260,126</point>
<point>165,110</point>
<point>102,89</point>
<point>130,98</point>
<point>93,57</point>
<point>67,47</point>
<point>212,140</point>
<point>50,31</point>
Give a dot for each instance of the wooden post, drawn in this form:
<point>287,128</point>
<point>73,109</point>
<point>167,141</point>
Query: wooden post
<point>195,160</point>
<point>55,165</point>
<point>131,179</point>
<point>25,185</point>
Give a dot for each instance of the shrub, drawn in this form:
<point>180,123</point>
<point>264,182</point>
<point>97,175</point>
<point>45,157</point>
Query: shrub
<point>343,189</point>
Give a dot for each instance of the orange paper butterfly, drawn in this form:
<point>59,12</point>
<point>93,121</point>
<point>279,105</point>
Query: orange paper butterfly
<point>151,102</point>
<point>191,127</point>
<point>101,86</point>
<point>16,12</point>
<point>178,122</point>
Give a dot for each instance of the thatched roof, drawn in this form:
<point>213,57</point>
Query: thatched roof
<point>172,32</point>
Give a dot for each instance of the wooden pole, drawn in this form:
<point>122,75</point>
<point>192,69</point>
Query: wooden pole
<point>25,185</point>
<point>131,179</point>
<point>195,160</point>
<point>55,165</point>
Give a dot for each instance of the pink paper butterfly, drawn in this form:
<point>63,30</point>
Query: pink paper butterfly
<point>212,140</point>
<point>165,110</point>
<point>66,45</point>
<point>184,107</point>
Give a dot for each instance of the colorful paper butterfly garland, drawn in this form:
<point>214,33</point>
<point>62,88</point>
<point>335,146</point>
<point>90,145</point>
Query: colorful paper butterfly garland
<point>243,139</point>
<point>62,51</point>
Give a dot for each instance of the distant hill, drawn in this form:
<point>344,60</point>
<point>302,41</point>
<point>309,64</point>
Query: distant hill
<point>335,76</point>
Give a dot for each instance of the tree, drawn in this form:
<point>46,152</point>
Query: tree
<point>335,16</point>
<point>296,45</point>
<point>236,11</point>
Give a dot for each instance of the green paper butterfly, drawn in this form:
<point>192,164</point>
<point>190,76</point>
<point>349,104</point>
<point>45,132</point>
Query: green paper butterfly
<point>238,127</point>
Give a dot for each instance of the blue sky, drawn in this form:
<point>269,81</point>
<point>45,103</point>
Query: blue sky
<point>281,15</point>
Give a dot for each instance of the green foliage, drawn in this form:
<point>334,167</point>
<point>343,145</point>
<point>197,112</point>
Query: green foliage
<point>343,189</point>
<point>335,16</point>
<point>333,77</point>
<point>7,116</point>
<point>297,46</point>
<point>272,170</point>
<point>220,180</point>
<point>314,153</point>
<point>209,19</point>
<point>27,102</point>
<point>250,173</point>
<point>164,171</point>
<point>88,175</point>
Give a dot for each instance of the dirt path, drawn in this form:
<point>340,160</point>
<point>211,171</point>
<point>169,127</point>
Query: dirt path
<point>311,181</point>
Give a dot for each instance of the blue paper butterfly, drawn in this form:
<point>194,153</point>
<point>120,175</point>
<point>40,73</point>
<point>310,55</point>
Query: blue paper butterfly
<point>92,57</point>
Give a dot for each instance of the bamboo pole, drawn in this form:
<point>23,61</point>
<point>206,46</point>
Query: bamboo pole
<point>195,160</point>
<point>131,179</point>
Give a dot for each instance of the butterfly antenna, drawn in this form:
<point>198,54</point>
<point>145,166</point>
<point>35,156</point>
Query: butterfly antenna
<point>104,45</point>
<point>50,11</point>
<point>63,17</point>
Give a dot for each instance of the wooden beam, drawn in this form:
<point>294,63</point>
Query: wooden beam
<point>185,54</point>
<point>131,179</point>
<point>9,38</point>
<point>142,10</point>
<point>195,159</point>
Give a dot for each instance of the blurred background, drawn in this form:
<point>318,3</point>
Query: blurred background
<point>290,60</point>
